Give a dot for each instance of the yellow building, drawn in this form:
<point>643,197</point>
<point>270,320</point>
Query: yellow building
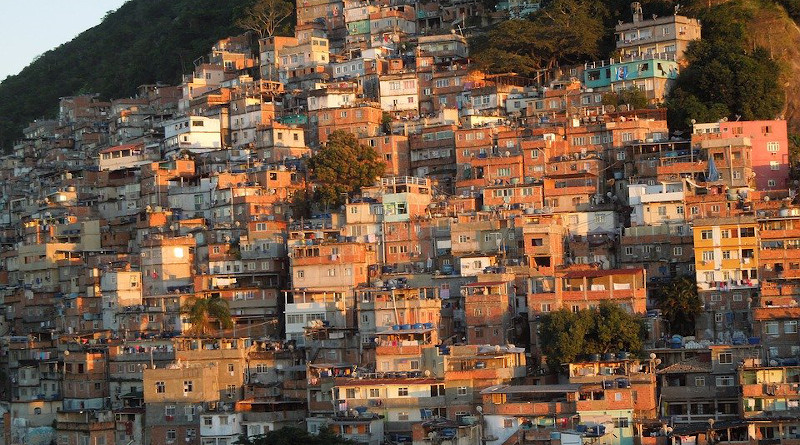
<point>726,268</point>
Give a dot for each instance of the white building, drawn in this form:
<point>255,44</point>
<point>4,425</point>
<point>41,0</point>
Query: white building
<point>656,204</point>
<point>119,289</point>
<point>122,157</point>
<point>220,428</point>
<point>194,133</point>
<point>399,92</point>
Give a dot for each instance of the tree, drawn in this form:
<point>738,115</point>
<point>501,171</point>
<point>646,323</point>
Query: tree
<point>265,17</point>
<point>680,304</point>
<point>203,312</point>
<point>633,97</point>
<point>563,31</point>
<point>295,436</point>
<point>342,167</point>
<point>725,77</point>
<point>564,335</point>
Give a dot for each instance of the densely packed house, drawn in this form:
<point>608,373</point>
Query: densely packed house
<point>410,314</point>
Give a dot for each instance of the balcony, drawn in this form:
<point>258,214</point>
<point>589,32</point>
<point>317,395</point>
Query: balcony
<point>415,350</point>
<point>531,408</point>
<point>400,402</point>
<point>698,393</point>
<point>478,374</point>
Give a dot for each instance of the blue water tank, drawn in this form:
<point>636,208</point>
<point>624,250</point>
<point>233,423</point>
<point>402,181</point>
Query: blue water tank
<point>428,325</point>
<point>405,327</point>
<point>417,325</point>
<point>396,327</point>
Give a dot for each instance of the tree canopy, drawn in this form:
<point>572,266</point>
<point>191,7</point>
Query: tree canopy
<point>266,17</point>
<point>564,335</point>
<point>632,97</point>
<point>680,304</point>
<point>342,167</point>
<point>725,78</point>
<point>205,314</point>
<point>563,31</point>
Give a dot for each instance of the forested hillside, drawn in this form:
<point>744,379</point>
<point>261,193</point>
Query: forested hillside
<point>752,52</point>
<point>144,41</point>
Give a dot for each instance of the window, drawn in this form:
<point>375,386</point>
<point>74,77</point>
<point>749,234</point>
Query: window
<point>207,421</point>
<point>161,388</point>
<point>403,416</point>
<point>188,386</point>
<point>725,358</point>
<point>462,390</point>
<point>774,165</point>
<point>629,250</point>
<point>708,255</point>
<point>169,411</point>
<point>545,307</point>
<point>747,232</point>
<point>790,327</point>
<point>706,234</point>
<point>402,392</point>
<point>172,435</point>
<point>773,147</point>
<point>699,381</point>
<point>677,251</point>
<point>772,183</point>
<point>621,422</point>
<point>771,328</point>
<point>374,393</point>
<point>725,380</point>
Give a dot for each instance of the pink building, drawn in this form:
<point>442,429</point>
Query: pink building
<point>770,150</point>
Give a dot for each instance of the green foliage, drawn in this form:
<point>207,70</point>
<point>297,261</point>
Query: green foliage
<point>792,8</point>
<point>295,436</point>
<point>203,312</point>
<point>794,148</point>
<point>143,42</point>
<point>342,167</point>
<point>633,97</point>
<point>680,304</point>
<point>565,335</point>
<point>725,78</point>
<point>267,17</point>
<point>563,31</point>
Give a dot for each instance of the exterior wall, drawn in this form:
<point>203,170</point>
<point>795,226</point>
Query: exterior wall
<point>399,93</point>
<point>193,132</point>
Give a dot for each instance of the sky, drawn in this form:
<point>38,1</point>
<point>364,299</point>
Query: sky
<point>31,27</point>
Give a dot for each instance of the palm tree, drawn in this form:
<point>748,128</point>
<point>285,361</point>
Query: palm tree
<point>204,313</point>
<point>680,304</point>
